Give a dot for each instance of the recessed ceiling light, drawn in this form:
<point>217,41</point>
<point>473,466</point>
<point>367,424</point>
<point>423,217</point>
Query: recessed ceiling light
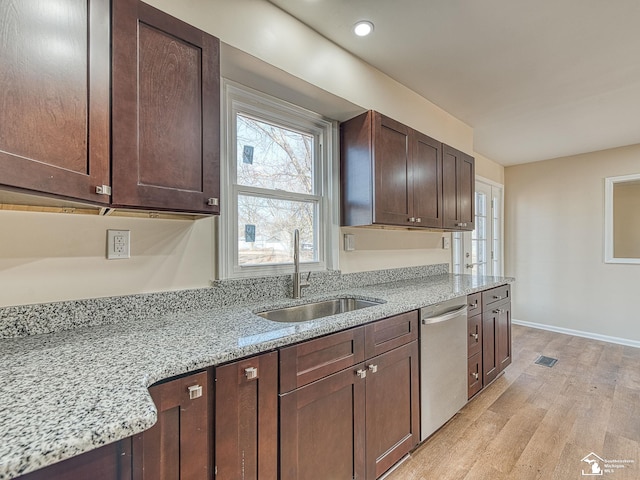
<point>363,28</point>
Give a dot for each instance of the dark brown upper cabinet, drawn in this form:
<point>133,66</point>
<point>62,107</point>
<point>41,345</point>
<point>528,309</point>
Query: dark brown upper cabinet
<point>165,112</point>
<point>458,187</point>
<point>54,105</point>
<point>161,150</point>
<point>394,175</point>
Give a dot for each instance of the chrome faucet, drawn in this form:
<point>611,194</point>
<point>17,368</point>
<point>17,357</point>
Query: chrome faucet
<point>297,284</point>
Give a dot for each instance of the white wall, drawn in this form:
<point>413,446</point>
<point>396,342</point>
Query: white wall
<point>554,229</point>
<point>49,257</point>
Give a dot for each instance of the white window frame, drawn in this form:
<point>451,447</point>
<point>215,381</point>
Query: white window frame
<point>238,99</point>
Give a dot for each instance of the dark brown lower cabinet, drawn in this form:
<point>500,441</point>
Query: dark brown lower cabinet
<point>356,423</point>
<point>246,419</point>
<point>177,447</point>
<point>496,331</point>
<point>322,428</point>
<point>490,368</point>
<point>392,408</point>
<point>111,462</point>
<point>503,338</point>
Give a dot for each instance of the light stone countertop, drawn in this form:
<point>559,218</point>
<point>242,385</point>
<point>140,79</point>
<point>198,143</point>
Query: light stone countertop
<point>65,393</point>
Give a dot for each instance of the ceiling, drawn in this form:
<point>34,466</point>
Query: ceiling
<point>536,80</point>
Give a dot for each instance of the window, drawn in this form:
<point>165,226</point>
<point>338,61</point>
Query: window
<point>277,175</point>
<point>480,252</point>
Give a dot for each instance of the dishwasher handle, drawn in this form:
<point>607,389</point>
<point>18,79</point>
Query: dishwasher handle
<point>447,316</point>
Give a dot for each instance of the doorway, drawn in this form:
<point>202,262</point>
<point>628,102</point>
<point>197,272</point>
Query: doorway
<point>480,252</point>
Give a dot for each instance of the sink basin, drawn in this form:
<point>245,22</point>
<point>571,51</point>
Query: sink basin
<point>312,311</point>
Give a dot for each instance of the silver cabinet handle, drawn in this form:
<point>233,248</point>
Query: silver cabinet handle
<point>418,220</point>
<point>461,224</point>
<point>361,373</point>
<point>251,373</point>
<point>412,219</point>
<point>475,375</point>
<point>475,336</point>
<point>195,391</point>
<point>373,368</point>
<point>498,297</point>
<point>212,202</point>
<point>498,311</point>
<point>473,305</point>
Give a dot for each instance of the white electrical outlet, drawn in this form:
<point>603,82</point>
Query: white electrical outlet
<point>118,244</point>
<point>446,242</point>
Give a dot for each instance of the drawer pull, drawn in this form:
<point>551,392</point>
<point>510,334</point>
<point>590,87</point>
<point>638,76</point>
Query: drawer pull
<point>475,375</point>
<point>251,373</point>
<point>361,373</point>
<point>475,336</point>
<point>195,391</point>
<point>498,297</point>
<point>498,311</point>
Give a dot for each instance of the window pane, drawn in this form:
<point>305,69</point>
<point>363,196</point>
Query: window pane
<point>273,157</point>
<point>265,230</point>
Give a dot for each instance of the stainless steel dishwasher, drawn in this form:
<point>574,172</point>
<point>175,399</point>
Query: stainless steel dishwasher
<point>443,363</point>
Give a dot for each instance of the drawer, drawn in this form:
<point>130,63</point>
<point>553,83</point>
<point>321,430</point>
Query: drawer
<point>389,333</point>
<point>474,304</point>
<point>498,294</point>
<point>309,361</point>
<point>474,338</point>
<point>474,378</point>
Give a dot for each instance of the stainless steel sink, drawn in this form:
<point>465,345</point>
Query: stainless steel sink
<point>312,311</point>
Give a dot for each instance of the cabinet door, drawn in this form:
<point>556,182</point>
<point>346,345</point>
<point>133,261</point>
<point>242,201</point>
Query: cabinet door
<point>111,462</point>
<point>177,446</point>
<point>490,366</point>
<point>166,112</point>
<point>458,189</point>
<point>246,412</point>
<point>54,108</point>
<point>426,169</point>
<point>503,339</point>
<point>393,192</point>
<point>322,429</point>
<point>392,408</point>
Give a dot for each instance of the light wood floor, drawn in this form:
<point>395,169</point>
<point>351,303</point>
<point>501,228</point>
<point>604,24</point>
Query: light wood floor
<point>536,422</point>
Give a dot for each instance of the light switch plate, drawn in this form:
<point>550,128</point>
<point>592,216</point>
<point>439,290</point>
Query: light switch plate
<point>446,242</point>
<point>349,242</point>
<point>118,244</point>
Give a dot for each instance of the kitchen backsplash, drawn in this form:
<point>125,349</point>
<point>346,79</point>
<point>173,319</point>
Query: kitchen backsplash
<point>24,320</point>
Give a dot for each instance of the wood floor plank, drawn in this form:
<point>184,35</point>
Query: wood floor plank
<point>538,423</point>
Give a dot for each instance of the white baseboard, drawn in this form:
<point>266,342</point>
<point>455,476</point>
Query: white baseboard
<point>579,333</point>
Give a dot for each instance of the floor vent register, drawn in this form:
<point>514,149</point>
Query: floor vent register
<point>546,361</point>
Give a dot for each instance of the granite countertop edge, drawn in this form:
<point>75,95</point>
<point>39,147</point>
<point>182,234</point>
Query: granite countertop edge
<point>69,392</point>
